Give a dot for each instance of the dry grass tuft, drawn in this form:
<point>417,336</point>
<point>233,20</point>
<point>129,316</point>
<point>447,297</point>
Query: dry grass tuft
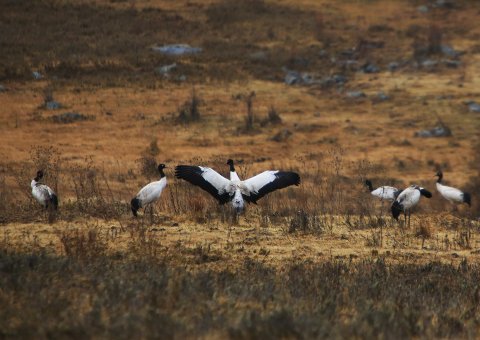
<point>190,112</point>
<point>303,299</point>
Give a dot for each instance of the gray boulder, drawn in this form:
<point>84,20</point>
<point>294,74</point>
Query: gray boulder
<point>473,106</point>
<point>382,96</point>
<point>165,69</point>
<point>370,68</point>
<point>438,131</point>
<point>450,52</point>
<point>393,66</point>
<point>70,117</point>
<point>297,78</point>
<point>177,49</point>
<point>52,105</point>
<point>422,9</point>
<point>37,75</point>
<point>355,94</point>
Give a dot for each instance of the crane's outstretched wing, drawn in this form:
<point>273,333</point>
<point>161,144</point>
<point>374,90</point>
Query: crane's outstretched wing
<point>207,179</point>
<point>258,186</point>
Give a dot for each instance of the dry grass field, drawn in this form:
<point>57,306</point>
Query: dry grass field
<point>322,260</point>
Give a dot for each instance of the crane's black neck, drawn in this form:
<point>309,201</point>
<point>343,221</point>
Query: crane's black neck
<point>232,168</point>
<point>440,177</point>
<point>39,176</point>
<point>162,174</point>
<point>369,185</point>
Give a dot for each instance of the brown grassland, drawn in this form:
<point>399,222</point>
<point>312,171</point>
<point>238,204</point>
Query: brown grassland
<point>322,260</point>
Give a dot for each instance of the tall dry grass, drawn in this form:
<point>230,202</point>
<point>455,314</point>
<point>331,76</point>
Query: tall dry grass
<point>332,192</point>
<point>146,290</point>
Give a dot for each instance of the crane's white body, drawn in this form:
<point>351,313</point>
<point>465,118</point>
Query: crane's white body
<point>151,192</point>
<point>385,193</point>
<point>237,202</point>
<point>453,195</point>
<point>42,193</point>
<point>409,198</point>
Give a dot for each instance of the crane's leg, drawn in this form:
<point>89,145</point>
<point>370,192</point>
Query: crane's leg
<point>50,213</point>
<point>47,213</point>
<point>409,216</point>
<point>234,216</point>
<point>151,213</point>
<point>454,209</point>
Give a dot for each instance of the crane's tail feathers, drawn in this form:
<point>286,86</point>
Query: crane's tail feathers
<point>425,193</point>
<point>135,205</point>
<point>396,210</point>
<point>369,185</point>
<point>54,201</point>
<point>467,198</point>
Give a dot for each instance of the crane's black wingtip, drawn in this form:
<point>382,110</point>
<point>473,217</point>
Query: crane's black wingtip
<point>184,171</point>
<point>289,178</point>
<point>194,175</point>
<point>297,179</point>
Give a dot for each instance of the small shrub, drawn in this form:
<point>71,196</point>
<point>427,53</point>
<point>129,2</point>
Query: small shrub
<point>250,117</point>
<point>320,30</point>
<point>94,196</point>
<point>148,167</point>
<point>5,205</point>
<point>435,40</point>
<point>153,148</point>
<point>424,232</point>
<point>272,118</point>
<point>83,244</point>
<point>47,95</point>
<point>189,111</point>
<point>306,223</point>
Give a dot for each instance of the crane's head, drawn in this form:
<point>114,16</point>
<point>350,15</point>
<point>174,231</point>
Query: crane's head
<point>39,175</point>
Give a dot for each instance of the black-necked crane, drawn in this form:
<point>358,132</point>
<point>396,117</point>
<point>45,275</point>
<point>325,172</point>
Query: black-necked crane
<point>150,192</point>
<point>235,190</point>
<point>453,195</point>
<point>43,193</point>
<point>407,200</point>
